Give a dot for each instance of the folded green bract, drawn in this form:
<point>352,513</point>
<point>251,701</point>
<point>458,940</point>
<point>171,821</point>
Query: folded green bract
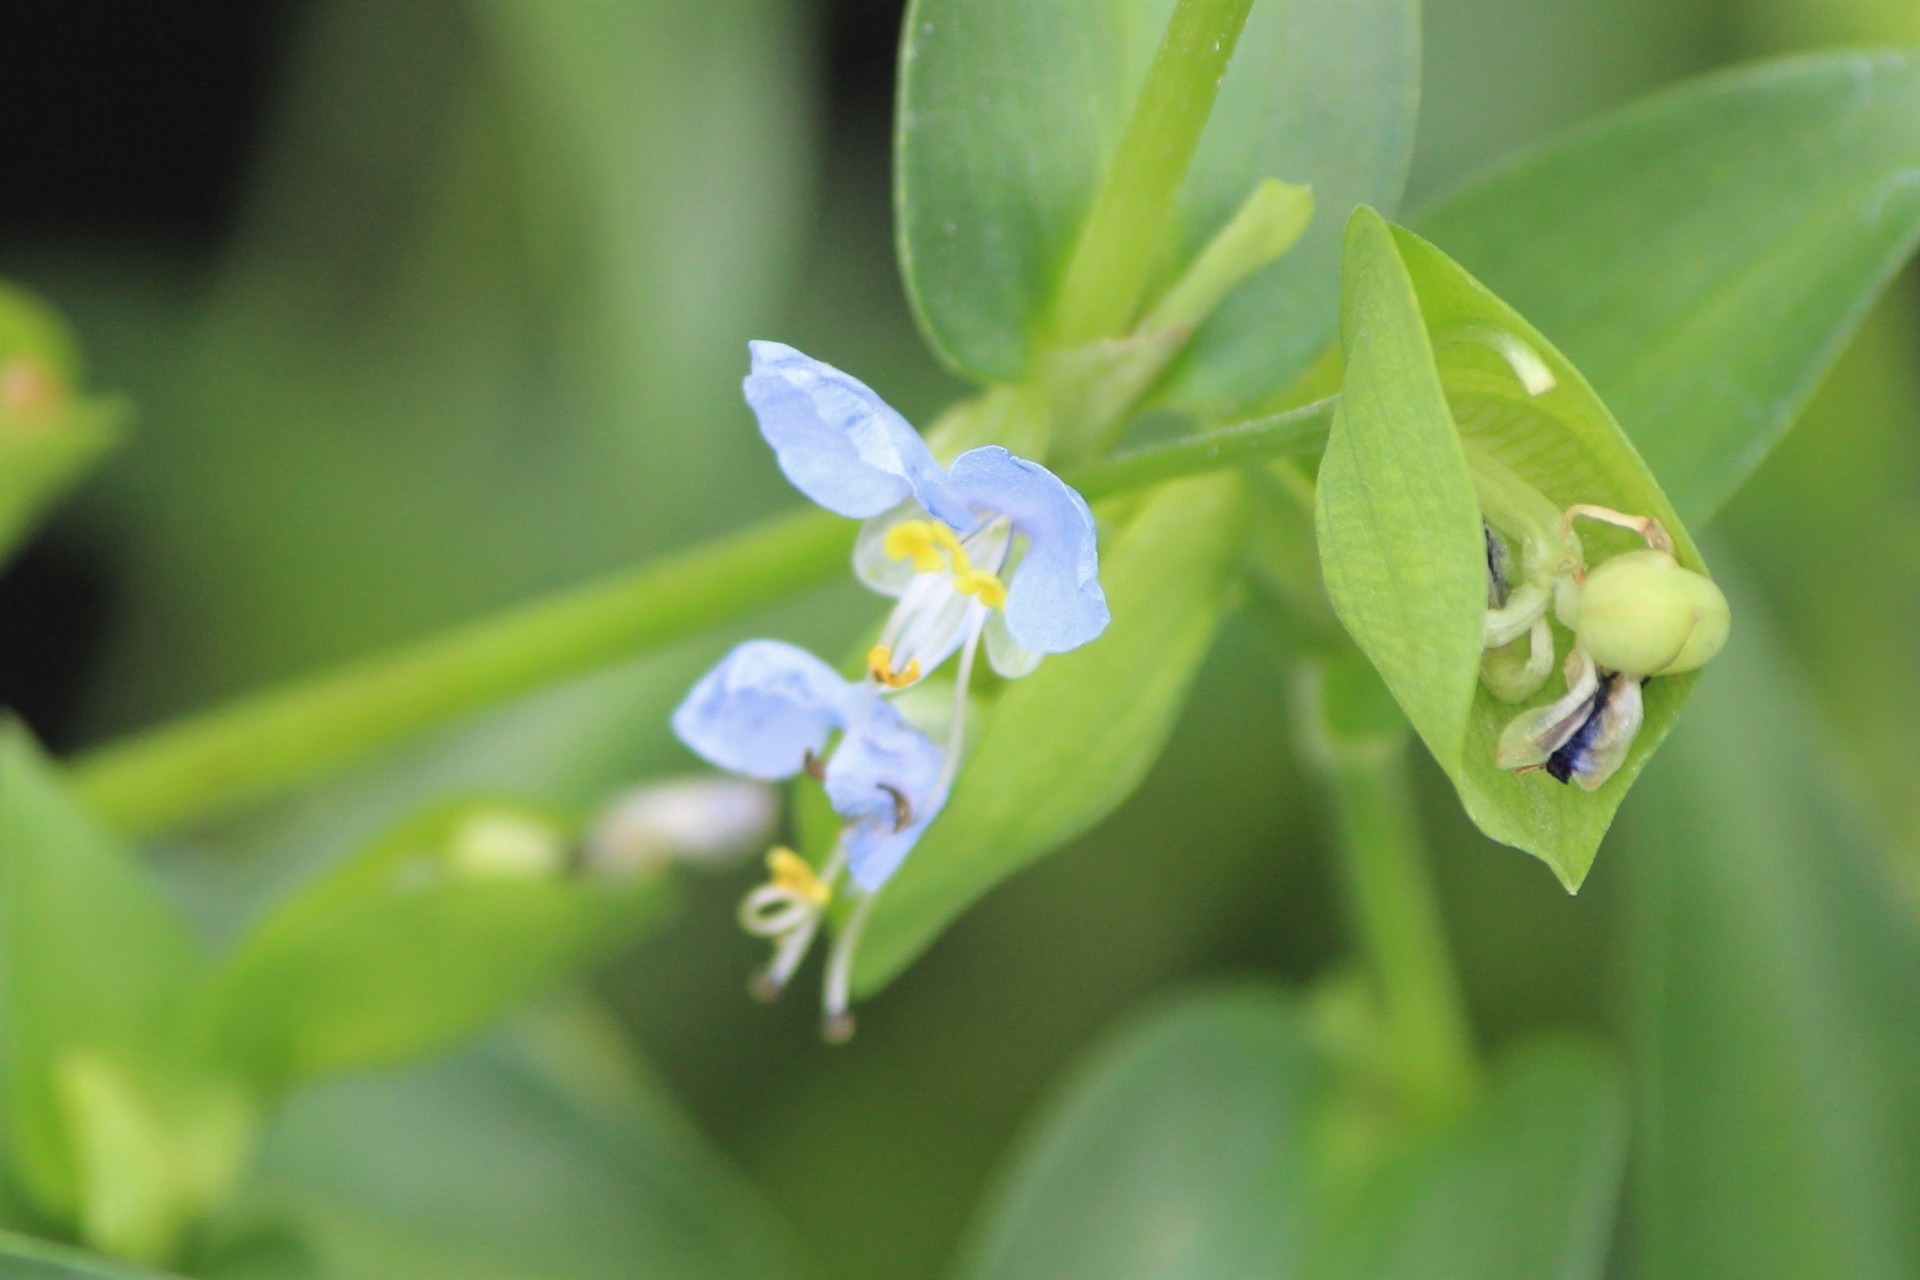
<point>1399,520</point>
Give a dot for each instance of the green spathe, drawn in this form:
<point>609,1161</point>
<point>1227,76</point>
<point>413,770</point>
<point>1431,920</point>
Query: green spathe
<point>1427,402</point>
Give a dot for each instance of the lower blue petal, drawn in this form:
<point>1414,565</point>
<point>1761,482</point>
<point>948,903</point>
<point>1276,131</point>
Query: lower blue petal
<point>763,708</point>
<point>884,769</point>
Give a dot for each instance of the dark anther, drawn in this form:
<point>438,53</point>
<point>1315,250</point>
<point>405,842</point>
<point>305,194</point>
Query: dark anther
<point>816,767</point>
<point>902,811</point>
<point>1499,563</point>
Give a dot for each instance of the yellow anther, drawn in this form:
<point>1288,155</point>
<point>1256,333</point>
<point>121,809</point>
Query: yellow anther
<point>915,540</point>
<point>978,582</point>
<point>880,667</point>
<point>795,874</point>
<point>922,541</point>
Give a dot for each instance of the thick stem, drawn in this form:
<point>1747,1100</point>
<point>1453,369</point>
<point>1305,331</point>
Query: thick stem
<point>216,759</point>
<point>1397,919</point>
<point>1126,230</point>
<point>272,741</point>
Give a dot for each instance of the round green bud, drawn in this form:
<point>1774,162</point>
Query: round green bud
<point>1642,614</point>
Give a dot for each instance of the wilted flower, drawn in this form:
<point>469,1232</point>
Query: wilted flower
<point>1585,735</point>
<point>1638,615</point>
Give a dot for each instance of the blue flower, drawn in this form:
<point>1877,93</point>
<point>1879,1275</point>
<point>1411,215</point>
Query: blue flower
<point>995,547</point>
<point>769,710</point>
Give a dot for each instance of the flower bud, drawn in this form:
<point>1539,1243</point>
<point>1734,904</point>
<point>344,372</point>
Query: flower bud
<point>705,821</point>
<point>1642,614</point>
<point>506,844</point>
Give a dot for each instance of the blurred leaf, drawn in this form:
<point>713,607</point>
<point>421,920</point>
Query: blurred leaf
<point>22,1258</point>
<point>1323,93</point>
<point>540,1155</point>
<point>1399,522</point>
<point>93,964</point>
<point>488,250</point>
<point>1703,255</point>
<point>1525,1187</point>
<point>49,435</point>
<point>1206,1142</point>
<point>1065,745</point>
<point>1181,1150</point>
<point>1010,113</point>
<point>1776,1018</point>
<point>421,940</point>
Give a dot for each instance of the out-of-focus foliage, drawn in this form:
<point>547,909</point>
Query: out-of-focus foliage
<point>479,333</point>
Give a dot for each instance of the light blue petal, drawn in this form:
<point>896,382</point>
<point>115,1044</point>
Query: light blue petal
<point>882,761</point>
<point>1054,602</point>
<point>763,708</point>
<point>839,443</point>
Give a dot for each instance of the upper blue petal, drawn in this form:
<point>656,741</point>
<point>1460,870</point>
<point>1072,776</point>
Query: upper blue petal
<point>840,444</point>
<point>882,764</point>
<point>763,708</point>
<point>1054,602</point>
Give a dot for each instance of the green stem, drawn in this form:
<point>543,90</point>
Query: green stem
<point>213,760</point>
<point>1302,430</point>
<point>266,743</point>
<point>1126,230</point>
<point>1398,919</point>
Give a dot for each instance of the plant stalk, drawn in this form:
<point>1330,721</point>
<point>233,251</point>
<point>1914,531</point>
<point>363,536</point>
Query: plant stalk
<point>216,759</point>
<point>1397,919</point>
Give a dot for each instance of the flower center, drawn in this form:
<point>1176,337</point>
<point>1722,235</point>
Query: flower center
<point>936,611</point>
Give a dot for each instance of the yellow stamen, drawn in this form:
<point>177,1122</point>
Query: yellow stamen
<point>922,542</point>
<point>978,582</point>
<point>915,540</point>
<point>795,874</point>
<point>880,667</point>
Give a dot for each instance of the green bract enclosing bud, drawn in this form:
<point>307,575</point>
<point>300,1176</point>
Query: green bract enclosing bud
<point>1641,613</point>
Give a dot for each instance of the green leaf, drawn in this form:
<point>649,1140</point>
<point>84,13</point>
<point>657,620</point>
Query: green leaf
<point>434,931</point>
<point>49,436</point>
<point>94,962</point>
<point>1776,1020</point>
<point>1525,1186</point>
<point>1009,117</point>
<point>1399,521</point>
<point>23,1258</point>
<point>1064,746</point>
<point>1322,93</point>
<point>1704,254</point>
<point>1182,1149</point>
<point>543,1153</point>
<point>1215,1140</point>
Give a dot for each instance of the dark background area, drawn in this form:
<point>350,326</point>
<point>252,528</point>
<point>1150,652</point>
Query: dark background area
<point>155,145</point>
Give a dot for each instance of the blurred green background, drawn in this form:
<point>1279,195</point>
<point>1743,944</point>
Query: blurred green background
<point>427,307</point>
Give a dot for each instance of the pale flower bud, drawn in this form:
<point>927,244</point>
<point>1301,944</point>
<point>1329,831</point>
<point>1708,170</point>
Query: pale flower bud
<point>706,821</point>
<point>1642,614</point>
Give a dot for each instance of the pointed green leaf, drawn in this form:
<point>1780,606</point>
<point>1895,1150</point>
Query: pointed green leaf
<point>1064,746</point>
<point>1010,114</point>
<point>434,931</point>
<point>1400,528</point>
<point>1705,253</point>
<point>1775,1015</point>
<point>1182,1149</point>
<point>1401,549</point>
